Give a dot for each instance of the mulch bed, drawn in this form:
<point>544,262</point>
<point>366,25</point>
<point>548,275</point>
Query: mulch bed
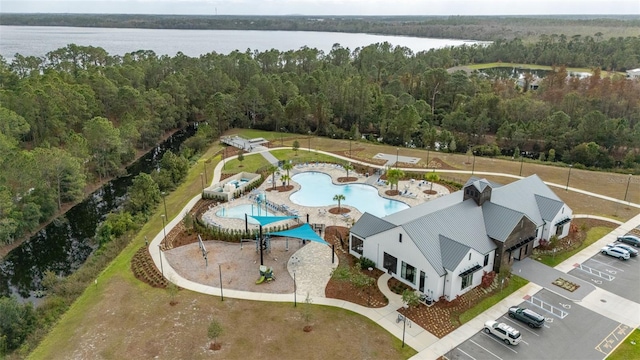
<point>281,188</point>
<point>338,211</point>
<point>343,290</point>
<point>347,179</point>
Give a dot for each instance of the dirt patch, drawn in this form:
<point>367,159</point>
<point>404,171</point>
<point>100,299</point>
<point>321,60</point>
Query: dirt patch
<point>430,192</point>
<point>391,192</point>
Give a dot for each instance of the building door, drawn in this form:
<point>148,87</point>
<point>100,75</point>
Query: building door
<point>422,278</point>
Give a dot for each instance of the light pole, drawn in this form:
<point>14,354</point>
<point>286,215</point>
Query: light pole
<point>164,229</point>
<point>160,253</point>
<point>350,147</point>
<point>309,146</point>
<point>404,325</point>
<point>428,155</point>
<point>627,191</point>
<point>164,201</point>
<point>204,164</point>
<point>473,167</point>
<point>397,156</point>
<point>202,182</point>
<point>521,160</point>
<point>295,300</point>
<point>568,177</point>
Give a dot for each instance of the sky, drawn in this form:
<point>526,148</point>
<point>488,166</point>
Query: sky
<point>326,7</point>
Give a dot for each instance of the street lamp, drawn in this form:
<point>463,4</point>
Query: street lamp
<point>428,147</point>
<point>627,191</point>
<point>568,177</point>
<point>521,160</point>
<point>202,182</point>
<point>397,156</point>
<point>164,229</point>
<point>295,300</point>
<point>404,325</point>
<point>224,157</point>
<point>309,138</point>
<point>473,167</point>
<point>350,147</point>
<point>164,201</point>
<point>204,164</point>
<point>160,253</point>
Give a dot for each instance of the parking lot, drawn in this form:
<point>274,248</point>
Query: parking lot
<point>620,277</point>
<point>570,332</point>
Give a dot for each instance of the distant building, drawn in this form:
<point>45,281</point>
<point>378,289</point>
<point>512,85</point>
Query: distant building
<point>633,74</point>
<point>442,247</point>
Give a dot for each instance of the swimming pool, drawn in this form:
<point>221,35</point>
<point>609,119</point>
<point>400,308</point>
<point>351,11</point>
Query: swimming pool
<point>237,212</point>
<point>316,189</point>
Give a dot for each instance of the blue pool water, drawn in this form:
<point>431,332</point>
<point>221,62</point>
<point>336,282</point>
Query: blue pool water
<point>318,190</point>
<point>237,212</point>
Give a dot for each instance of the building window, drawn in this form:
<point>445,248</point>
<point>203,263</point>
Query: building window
<point>467,280</point>
<point>357,244</point>
<point>408,273</point>
<point>390,263</point>
<point>486,260</point>
<point>559,230</point>
<point>400,237</point>
<point>469,256</point>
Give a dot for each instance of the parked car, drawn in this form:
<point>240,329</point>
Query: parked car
<point>621,254</point>
<point>504,332</point>
<point>632,252</point>
<point>629,239</point>
<point>529,317</point>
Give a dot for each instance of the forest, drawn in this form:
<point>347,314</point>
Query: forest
<point>490,28</point>
<point>78,114</point>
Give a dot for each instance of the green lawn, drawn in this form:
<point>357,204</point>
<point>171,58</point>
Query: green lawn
<point>304,155</point>
<point>593,235</point>
<point>251,163</point>
<point>515,283</point>
<point>628,350</point>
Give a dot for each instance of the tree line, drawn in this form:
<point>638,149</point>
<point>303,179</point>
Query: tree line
<point>490,28</point>
<point>77,114</point>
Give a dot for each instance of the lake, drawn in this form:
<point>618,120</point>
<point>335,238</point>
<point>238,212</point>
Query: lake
<point>39,40</point>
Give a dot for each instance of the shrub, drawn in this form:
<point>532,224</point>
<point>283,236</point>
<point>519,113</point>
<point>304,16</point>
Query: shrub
<point>366,263</point>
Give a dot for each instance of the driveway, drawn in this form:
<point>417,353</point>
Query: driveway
<point>544,275</point>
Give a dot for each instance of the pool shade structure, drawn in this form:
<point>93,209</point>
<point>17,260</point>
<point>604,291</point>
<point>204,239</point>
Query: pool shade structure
<point>304,232</point>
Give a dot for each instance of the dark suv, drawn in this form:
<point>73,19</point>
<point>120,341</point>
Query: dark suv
<point>531,318</point>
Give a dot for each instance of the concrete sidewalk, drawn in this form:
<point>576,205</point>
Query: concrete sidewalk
<point>427,345</point>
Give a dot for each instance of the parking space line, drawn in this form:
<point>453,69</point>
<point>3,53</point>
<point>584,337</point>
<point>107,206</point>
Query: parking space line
<point>494,338</point>
<point>606,264</point>
<point>517,323</point>
<point>548,307</point>
<point>610,340</point>
<point>485,349</point>
<point>465,353</point>
<point>595,272</point>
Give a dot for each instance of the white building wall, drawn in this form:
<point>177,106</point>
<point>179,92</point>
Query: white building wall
<point>455,281</point>
<point>375,246</point>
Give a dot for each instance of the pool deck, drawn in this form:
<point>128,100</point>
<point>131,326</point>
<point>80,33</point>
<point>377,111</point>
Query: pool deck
<point>321,214</point>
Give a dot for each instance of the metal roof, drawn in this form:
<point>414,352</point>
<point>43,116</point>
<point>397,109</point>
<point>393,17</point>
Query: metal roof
<point>520,196</point>
<point>369,225</point>
<point>462,222</point>
<point>549,208</point>
<point>424,209</point>
<point>473,179</point>
<point>452,252</point>
<point>500,221</point>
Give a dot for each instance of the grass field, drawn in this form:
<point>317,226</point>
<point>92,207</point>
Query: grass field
<point>535,67</point>
<point>121,317</point>
<point>629,349</point>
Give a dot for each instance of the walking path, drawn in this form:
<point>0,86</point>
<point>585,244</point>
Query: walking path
<point>427,345</point>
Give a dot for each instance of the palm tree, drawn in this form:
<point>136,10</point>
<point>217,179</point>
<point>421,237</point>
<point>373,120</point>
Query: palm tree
<point>431,178</point>
<point>285,179</point>
<point>348,168</point>
<point>394,175</point>
<point>339,198</point>
<point>272,169</point>
<point>287,166</point>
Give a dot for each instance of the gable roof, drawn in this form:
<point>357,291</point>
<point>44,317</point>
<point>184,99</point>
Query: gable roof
<point>521,196</point>
<point>484,181</point>
<point>425,232</point>
<point>549,208</point>
<point>452,252</point>
<point>500,221</point>
<point>424,209</point>
<point>369,224</point>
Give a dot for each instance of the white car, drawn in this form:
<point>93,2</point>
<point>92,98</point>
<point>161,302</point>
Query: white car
<point>504,332</point>
<point>632,252</point>
<point>621,254</point>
